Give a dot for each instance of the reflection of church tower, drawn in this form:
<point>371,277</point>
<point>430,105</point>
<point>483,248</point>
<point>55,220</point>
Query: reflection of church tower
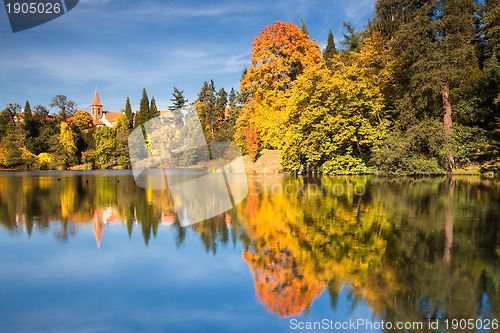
<point>98,226</point>
<point>96,108</point>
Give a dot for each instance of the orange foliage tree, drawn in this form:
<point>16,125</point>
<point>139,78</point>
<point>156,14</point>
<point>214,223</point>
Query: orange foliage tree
<point>278,284</point>
<point>280,54</point>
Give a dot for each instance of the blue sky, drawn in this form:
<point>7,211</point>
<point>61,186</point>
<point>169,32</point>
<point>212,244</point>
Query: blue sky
<point>122,46</point>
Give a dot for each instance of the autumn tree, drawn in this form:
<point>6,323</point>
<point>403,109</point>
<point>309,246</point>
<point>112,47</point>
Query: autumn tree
<point>81,122</point>
<point>66,107</point>
<point>82,126</point>
<point>106,143</point>
<point>280,54</point>
<point>334,120</point>
<point>67,142</point>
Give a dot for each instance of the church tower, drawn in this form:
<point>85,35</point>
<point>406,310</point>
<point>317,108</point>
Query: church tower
<point>96,108</point>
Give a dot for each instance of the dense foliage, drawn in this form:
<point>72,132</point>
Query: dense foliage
<point>416,92</point>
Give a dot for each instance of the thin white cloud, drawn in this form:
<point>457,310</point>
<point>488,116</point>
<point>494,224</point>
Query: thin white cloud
<point>357,11</point>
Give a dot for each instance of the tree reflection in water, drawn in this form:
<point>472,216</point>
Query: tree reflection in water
<point>413,249</point>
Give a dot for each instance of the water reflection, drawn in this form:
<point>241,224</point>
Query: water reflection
<point>413,249</point>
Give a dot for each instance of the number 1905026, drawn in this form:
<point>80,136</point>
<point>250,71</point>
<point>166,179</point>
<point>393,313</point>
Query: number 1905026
<point>33,8</point>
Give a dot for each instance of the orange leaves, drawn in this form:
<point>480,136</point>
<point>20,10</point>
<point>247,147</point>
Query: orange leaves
<point>280,53</point>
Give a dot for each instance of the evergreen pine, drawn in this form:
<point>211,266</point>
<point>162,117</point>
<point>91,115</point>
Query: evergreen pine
<point>222,98</point>
<point>330,49</point>
<point>207,107</point>
<point>303,27</point>
<point>29,123</point>
<point>352,39</point>
<point>153,110</point>
<point>27,111</point>
<point>232,98</point>
<point>435,42</point>
<point>143,114</point>
<point>179,100</point>
<point>128,114</point>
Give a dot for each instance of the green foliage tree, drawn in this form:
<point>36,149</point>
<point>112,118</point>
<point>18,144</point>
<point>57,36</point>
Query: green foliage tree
<point>143,114</point>
<point>179,101</point>
<point>66,107</point>
<point>303,27</point>
<point>352,38</point>
<point>434,43</point>
<point>208,110</point>
<point>27,111</point>
<point>128,114</point>
<point>153,110</point>
<point>106,143</point>
<point>330,49</point>
<point>8,117</point>
<point>232,98</point>
<point>221,99</point>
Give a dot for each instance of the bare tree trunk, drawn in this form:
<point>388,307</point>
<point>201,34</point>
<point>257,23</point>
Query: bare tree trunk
<point>448,124</point>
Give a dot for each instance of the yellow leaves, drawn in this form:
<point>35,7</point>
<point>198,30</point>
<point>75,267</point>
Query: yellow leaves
<point>3,155</point>
<point>82,121</point>
<point>67,140</point>
<point>45,158</point>
<point>333,118</point>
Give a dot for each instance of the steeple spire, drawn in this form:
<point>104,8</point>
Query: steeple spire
<point>96,99</point>
<point>96,107</point>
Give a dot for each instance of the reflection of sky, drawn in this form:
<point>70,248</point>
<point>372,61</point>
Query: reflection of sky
<point>128,287</point>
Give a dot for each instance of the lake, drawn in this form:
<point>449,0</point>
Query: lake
<point>94,252</point>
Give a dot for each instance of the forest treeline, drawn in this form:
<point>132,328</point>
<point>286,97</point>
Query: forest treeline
<point>417,91</point>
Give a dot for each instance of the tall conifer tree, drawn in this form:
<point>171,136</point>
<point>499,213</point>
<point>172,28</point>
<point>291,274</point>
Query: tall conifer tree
<point>128,114</point>
<point>143,114</point>
<point>330,49</point>
<point>153,110</point>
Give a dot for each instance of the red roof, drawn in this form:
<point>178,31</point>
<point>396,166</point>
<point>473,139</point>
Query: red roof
<point>96,100</point>
<point>111,116</point>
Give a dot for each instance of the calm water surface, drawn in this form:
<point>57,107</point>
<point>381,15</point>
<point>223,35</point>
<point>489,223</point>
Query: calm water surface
<point>92,252</point>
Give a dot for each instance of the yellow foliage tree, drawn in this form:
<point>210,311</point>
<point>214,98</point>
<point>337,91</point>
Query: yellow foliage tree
<point>67,141</point>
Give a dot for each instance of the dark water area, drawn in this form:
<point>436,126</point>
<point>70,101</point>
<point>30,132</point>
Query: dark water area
<point>93,252</point>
